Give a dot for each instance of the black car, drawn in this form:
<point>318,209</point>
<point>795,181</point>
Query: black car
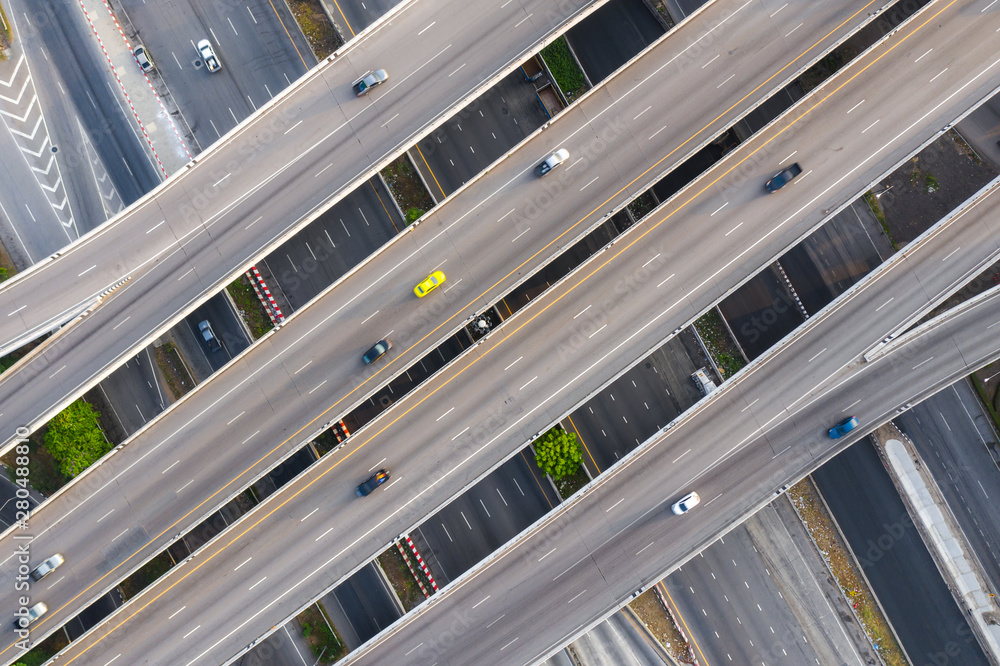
<point>782,177</point>
<point>376,352</point>
<point>373,482</point>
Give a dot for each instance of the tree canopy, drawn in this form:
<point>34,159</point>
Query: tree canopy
<point>558,453</point>
<point>75,439</point>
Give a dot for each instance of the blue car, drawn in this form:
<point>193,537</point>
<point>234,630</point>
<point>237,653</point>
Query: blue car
<point>843,427</point>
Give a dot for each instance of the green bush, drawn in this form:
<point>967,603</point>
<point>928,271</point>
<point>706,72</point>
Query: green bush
<point>75,439</point>
<point>558,454</point>
<point>413,214</point>
<point>563,66</point>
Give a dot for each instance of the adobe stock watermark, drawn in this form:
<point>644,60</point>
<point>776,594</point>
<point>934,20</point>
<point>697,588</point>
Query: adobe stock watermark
<point>22,550</point>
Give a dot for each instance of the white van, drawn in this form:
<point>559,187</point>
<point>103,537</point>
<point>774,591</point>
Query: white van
<point>702,381</point>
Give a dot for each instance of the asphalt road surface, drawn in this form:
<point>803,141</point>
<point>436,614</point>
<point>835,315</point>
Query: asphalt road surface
<point>956,443</point>
<point>914,597</point>
<point>637,404</point>
<point>260,46</point>
<point>799,411</point>
<point>237,428</point>
<point>611,36</point>
<point>245,195</point>
<point>762,594</point>
<point>738,451</point>
<point>336,242</point>
<point>484,517</point>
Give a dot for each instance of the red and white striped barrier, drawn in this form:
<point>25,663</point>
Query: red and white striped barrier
<point>420,561</point>
<point>269,304</point>
<point>122,86</point>
<point>406,558</point>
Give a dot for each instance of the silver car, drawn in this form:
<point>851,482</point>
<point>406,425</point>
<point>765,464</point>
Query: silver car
<point>47,567</point>
<point>31,615</point>
<point>364,85</point>
<point>552,161</point>
<point>207,54</point>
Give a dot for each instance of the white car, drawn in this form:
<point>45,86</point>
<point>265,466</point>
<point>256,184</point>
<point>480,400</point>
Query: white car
<point>142,57</point>
<point>33,614</point>
<point>686,503</point>
<point>364,85</point>
<point>207,54</point>
<point>47,567</point>
<point>552,161</point>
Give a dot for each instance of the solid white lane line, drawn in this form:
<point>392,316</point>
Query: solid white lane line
<point>856,106</point>
<point>730,78</point>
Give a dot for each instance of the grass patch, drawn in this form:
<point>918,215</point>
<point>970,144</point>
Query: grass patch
<point>6,37</point>
<point>648,608</point>
<point>43,471</point>
<point>321,635</point>
<point>879,214</point>
<point>725,354</point>
<point>320,33</point>
<point>565,70</point>
<point>401,579</point>
<point>930,184</point>
<point>146,576</point>
<point>572,483</point>
<point>250,307</point>
<point>44,651</point>
<point>813,514</point>
<point>407,188</point>
<point>176,375</point>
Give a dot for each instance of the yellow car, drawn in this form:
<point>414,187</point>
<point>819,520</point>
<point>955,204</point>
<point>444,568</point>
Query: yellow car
<point>429,284</point>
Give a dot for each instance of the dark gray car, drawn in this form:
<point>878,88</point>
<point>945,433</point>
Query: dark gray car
<point>376,352</point>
